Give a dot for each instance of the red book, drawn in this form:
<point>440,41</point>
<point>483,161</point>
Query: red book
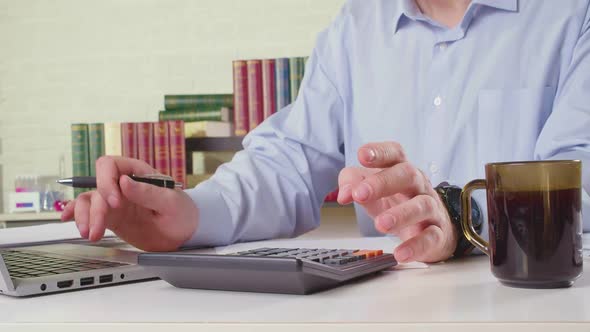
<point>255,111</point>
<point>161,148</point>
<point>129,140</point>
<point>268,88</point>
<point>240,73</point>
<point>177,151</point>
<point>145,142</point>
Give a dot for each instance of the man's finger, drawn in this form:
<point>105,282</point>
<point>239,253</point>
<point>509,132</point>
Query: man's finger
<point>401,178</point>
<point>414,211</point>
<point>68,213</point>
<point>109,169</point>
<point>98,211</point>
<point>381,155</point>
<point>81,211</point>
<point>349,177</point>
<point>161,200</point>
<point>425,247</point>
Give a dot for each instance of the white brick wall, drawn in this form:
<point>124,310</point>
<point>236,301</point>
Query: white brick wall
<point>66,61</point>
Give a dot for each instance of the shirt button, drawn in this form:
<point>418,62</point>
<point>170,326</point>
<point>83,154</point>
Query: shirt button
<point>442,46</point>
<point>433,168</point>
<point>437,101</point>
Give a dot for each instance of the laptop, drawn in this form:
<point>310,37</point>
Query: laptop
<point>61,266</point>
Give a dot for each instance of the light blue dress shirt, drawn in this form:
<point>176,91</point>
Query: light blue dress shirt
<point>510,82</point>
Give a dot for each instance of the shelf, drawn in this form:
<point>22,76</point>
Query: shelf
<point>233,143</point>
<point>30,216</point>
<point>210,144</point>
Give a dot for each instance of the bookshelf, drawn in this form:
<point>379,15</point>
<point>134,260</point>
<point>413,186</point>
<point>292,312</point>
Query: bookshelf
<point>209,144</point>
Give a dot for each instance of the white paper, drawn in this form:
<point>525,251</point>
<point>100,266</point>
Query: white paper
<point>40,234</point>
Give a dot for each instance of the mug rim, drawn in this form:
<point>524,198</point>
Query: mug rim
<point>528,162</point>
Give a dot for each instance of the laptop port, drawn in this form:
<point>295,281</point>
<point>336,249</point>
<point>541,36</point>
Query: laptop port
<point>86,281</point>
<point>65,284</point>
<point>105,278</point>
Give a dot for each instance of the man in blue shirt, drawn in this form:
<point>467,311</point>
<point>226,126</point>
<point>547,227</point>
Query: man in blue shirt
<point>397,96</point>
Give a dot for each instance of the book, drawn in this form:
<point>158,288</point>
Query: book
<point>112,139</point>
<point>129,140</point>
<point>240,83</point>
<point>282,81</point>
<point>145,142</point>
<point>268,88</point>
<point>80,160</point>
<point>296,69</point>
<point>208,129</point>
<point>161,148</point>
<point>255,111</point>
<point>206,101</point>
<point>190,115</point>
<point>96,145</point>
<point>177,150</point>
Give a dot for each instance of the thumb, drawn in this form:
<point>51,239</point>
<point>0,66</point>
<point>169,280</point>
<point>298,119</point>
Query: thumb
<point>147,195</point>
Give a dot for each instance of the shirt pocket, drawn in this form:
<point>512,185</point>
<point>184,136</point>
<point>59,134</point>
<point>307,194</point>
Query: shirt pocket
<point>509,122</point>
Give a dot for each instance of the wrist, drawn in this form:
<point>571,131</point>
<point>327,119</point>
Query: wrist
<point>451,198</point>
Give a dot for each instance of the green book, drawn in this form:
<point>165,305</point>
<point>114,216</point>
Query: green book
<point>296,69</point>
<point>80,161</point>
<point>198,102</point>
<point>191,115</point>
<point>96,145</point>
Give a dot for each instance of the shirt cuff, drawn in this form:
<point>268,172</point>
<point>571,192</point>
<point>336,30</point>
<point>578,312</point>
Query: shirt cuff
<point>215,222</point>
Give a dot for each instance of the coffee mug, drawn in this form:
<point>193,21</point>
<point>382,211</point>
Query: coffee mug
<point>534,219</point>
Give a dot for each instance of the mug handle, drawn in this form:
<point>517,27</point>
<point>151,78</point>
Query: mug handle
<point>466,219</point>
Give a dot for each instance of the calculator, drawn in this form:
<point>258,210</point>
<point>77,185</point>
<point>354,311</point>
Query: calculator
<point>267,270</point>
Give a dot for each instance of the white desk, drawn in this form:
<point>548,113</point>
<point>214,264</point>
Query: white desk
<point>453,296</point>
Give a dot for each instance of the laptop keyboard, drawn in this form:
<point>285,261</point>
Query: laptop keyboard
<point>32,264</point>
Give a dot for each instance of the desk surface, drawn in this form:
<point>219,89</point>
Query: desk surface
<point>450,295</point>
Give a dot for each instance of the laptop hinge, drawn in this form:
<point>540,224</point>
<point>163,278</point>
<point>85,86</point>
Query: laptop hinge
<point>5,280</point>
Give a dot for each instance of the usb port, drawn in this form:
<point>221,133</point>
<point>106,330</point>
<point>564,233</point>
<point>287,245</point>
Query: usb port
<point>105,278</point>
<point>86,281</point>
<point>65,284</point>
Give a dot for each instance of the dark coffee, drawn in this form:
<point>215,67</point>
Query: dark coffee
<point>535,237</point>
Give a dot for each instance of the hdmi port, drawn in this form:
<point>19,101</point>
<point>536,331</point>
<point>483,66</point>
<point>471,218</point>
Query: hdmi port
<point>65,284</point>
<point>105,278</point>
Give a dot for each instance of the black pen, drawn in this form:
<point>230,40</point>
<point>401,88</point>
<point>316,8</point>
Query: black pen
<point>153,179</point>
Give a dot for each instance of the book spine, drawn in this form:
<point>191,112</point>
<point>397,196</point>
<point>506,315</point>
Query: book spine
<point>112,139</point>
<point>177,151</point>
<point>96,145</point>
<point>296,69</point>
<point>145,142</point>
<point>206,101</point>
<point>190,115</point>
<point>161,148</point>
<point>255,111</point>
<point>80,160</point>
<point>129,140</point>
<point>268,88</point>
<point>282,80</point>
<point>240,81</point>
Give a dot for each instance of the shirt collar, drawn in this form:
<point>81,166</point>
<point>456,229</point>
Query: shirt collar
<point>409,9</point>
<point>509,5</point>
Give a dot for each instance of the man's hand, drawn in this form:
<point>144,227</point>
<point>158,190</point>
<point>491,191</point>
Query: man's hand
<point>401,201</point>
<point>149,217</point>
